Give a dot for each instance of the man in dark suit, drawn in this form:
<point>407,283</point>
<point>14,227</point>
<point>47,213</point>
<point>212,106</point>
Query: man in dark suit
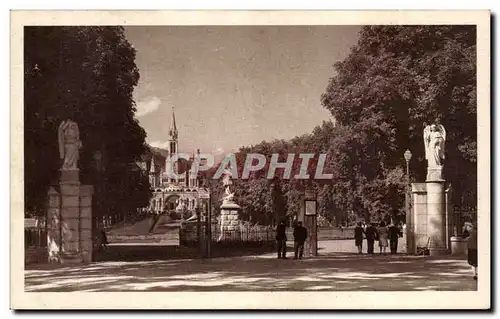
<point>281,239</point>
<point>299,237</point>
<point>394,234</point>
<point>371,236</point>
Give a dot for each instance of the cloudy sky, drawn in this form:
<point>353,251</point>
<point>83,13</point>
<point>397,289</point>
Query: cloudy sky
<point>234,86</point>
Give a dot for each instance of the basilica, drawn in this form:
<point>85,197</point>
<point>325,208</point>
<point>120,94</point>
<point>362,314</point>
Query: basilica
<point>180,194</point>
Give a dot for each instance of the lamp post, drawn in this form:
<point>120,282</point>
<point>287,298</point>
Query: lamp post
<point>409,221</point>
<point>407,159</point>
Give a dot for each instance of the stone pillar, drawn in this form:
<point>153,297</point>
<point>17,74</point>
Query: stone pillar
<point>70,216</point>
<point>417,234</point>
<point>436,213</point>
<point>311,243</point>
<point>229,222</point>
<point>69,220</point>
<point>85,234</point>
<point>310,223</point>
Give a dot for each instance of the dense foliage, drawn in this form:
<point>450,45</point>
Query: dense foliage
<point>87,74</point>
<point>393,82</point>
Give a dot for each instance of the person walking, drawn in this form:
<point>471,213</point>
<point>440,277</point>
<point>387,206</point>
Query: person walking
<point>383,235</point>
<point>472,247</point>
<point>394,234</point>
<point>104,238</point>
<point>281,240</point>
<point>299,237</point>
<point>358,237</point>
<point>371,235</point>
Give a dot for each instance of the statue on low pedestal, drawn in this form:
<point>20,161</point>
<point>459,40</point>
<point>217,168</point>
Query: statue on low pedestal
<point>227,182</point>
<point>69,144</point>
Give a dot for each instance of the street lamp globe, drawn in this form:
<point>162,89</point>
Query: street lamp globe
<point>407,155</point>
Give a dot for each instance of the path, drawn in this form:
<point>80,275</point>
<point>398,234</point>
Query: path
<point>334,272</point>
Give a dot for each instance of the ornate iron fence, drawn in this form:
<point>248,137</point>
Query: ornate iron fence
<point>460,216</point>
<point>191,235</point>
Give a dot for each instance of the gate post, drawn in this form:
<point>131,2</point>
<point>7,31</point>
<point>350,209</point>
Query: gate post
<point>310,222</point>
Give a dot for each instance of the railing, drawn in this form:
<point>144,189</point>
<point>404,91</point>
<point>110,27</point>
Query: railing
<point>244,234</point>
<point>190,235</point>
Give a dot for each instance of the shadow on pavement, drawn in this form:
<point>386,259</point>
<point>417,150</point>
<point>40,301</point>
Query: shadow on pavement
<point>337,272</point>
<point>129,253</point>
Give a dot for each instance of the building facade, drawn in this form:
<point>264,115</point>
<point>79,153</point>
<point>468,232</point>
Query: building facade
<point>173,193</point>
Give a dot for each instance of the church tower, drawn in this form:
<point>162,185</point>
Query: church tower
<point>173,146</point>
<point>173,136</point>
<point>152,173</point>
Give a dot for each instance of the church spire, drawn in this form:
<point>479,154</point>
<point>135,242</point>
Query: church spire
<point>152,168</point>
<point>172,133</point>
<point>152,172</point>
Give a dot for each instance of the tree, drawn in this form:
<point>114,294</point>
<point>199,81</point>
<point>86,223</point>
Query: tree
<point>393,81</point>
<point>87,74</point>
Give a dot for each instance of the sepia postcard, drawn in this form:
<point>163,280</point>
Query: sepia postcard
<point>250,160</point>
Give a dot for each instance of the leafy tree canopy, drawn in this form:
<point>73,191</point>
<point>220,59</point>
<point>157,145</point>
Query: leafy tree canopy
<point>87,74</point>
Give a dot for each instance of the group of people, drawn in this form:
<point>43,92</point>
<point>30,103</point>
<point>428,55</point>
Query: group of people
<point>386,237</point>
<point>299,238</point>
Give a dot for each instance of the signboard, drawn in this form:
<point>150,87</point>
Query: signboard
<point>310,207</point>
<point>310,195</point>
<point>204,195</point>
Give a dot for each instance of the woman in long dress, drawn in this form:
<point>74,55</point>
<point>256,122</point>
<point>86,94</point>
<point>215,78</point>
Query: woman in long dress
<point>383,235</point>
<point>472,246</point>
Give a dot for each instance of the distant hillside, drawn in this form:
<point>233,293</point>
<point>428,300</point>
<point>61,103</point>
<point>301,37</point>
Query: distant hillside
<point>160,152</point>
<point>160,155</point>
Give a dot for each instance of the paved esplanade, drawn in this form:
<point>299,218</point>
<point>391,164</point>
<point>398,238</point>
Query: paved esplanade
<point>331,272</point>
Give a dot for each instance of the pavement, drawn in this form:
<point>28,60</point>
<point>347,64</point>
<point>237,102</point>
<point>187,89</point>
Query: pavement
<point>336,269</point>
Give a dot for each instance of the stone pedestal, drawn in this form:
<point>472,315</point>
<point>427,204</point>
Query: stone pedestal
<point>85,235</point>
<point>229,222</point>
<point>311,243</point>
<point>419,231</point>
<point>311,224</point>
<point>69,228</point>
<point>436,214</point>
<point>458,246</point>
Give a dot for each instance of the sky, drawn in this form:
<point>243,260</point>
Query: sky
<point>234,86</point>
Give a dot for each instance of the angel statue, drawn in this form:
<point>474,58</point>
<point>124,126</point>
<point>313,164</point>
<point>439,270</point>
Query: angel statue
<point>227,182</point>
<point>434,139</point>
<point>69,144</point>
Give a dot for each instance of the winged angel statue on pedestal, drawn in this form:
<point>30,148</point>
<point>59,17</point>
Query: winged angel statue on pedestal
<point>434,139</point>
<point>69,144</point>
